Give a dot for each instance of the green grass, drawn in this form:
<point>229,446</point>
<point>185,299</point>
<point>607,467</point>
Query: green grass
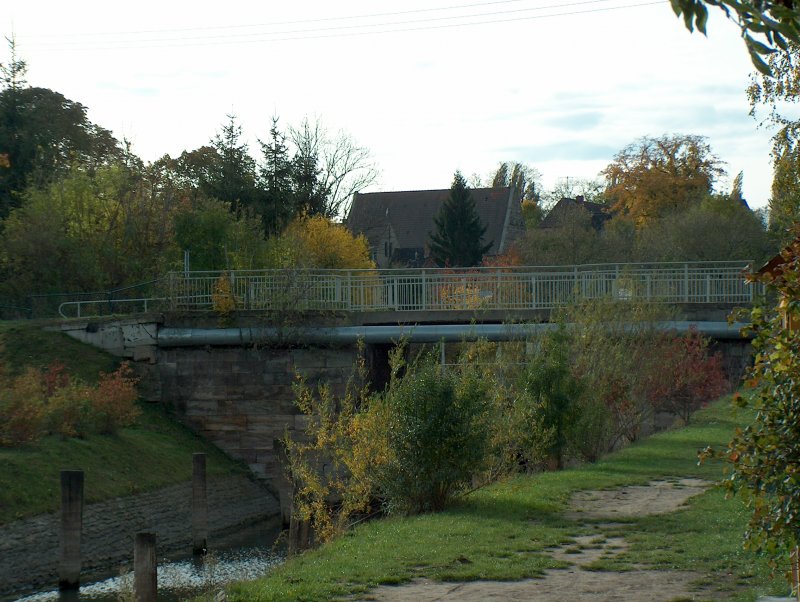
<point>24,344</point>
<point>155,452</point>
<point>503,532</point>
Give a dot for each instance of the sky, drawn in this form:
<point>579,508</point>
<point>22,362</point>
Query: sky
<point>429,87</point>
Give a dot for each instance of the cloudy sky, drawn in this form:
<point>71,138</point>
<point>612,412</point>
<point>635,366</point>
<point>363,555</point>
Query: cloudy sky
<point>428,86</point>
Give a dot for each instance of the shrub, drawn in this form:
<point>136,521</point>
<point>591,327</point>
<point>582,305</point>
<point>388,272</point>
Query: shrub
<point>69,411</point>
<point>549,392</point>
<point>342,446</point>
<point>222,298</point>
<point>113,401</point>
<point>49,401</point>
<point>22,409</point>
<point>437,433</point>
<point>687,377</point>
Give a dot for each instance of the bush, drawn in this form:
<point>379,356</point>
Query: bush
<point>69,411</point>
<point>687,377</point>
<point>113,401</point>
<point>332,465</point>
<point>22,410</point>
<point>437,433</point>
<point>49,401</point>
<point>549,393</point>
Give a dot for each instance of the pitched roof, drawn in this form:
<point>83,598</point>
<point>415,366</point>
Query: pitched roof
<point>410,214</point>
<point>599,213</point>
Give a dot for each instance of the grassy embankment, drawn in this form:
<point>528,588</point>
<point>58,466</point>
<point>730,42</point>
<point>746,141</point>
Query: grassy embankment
<point>155,452</point>
<point>502,532</point>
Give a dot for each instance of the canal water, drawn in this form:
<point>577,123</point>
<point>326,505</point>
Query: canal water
<point>248,553</point>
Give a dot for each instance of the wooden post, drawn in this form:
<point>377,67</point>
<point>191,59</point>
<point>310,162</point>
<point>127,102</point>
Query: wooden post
<point>299,536</point>
<point>145,581</point>
<point>69,566</point>
<point>794,557</point>
<point>284,482</point>
<point>199,505</point>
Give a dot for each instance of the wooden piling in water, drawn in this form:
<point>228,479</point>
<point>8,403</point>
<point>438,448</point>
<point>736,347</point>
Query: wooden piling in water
<point>199,505</point>
<point>69,566</point>
<point>145,581</point>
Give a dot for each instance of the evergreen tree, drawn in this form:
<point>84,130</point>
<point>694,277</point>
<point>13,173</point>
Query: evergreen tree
<point>309,191</point>
<point>458,239</point>
<point>233,176</point>
<point>278,204</point>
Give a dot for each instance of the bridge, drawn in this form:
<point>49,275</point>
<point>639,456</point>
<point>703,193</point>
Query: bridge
<point>433,295</point>
<point>233,384</point>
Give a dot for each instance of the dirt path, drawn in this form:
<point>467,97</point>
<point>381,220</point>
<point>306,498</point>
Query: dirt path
<point>575,583</point>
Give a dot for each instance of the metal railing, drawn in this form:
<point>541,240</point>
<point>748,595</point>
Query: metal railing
<point>503,288</point>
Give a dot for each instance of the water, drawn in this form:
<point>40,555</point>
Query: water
<point>246,554</point>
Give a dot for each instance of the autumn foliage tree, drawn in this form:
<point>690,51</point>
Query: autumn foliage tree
<point>318,242</point>
<point>653,177</point>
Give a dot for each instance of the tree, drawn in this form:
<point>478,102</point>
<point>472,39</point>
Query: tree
<point>774,94</point>
<point>306,172</point>
<point>42,134</point>
<point>687,377</point>
<point>84,232</point>
<point>653,177</point>
<point>525,180</point>
<point>572,241</point>
<point>278,203</point>
<point>776,22</point>
<point>233,174</point>
<point>719,228</point>
<point>591,190</point>
<point>329,169</point>
<point>437,432</point>
<point>317,242</point>
<point>216,239</point>
<point>764,457</point>
<point>458,239</point>
<point>548,384</point>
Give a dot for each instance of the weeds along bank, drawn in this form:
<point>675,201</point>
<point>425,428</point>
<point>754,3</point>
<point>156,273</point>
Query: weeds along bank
<point>436,433</point>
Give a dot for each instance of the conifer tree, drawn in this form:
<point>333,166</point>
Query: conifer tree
<point>458,239</point>
<point>278,202</point>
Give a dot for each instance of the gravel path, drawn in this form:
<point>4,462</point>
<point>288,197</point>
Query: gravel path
<point>576,584</point>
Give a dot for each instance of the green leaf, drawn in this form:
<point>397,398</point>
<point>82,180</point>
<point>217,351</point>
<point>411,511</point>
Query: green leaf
<point>688,20</point>
<point>701,17</point>
<point>759,63</point>
<point>758,46</point>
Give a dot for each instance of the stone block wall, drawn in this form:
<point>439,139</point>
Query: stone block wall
<point>29,549</point>
<point>242,399</point>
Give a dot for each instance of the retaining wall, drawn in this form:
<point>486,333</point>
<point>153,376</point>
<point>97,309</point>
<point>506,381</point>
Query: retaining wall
<point>241,399</point>
<point>29,549</point>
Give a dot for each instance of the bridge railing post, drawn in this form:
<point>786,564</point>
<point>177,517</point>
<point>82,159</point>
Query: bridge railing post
<point>686,282</point>
<point>424,289</point>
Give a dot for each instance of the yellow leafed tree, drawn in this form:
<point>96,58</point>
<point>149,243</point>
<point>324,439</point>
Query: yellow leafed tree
<point>317,242</point>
